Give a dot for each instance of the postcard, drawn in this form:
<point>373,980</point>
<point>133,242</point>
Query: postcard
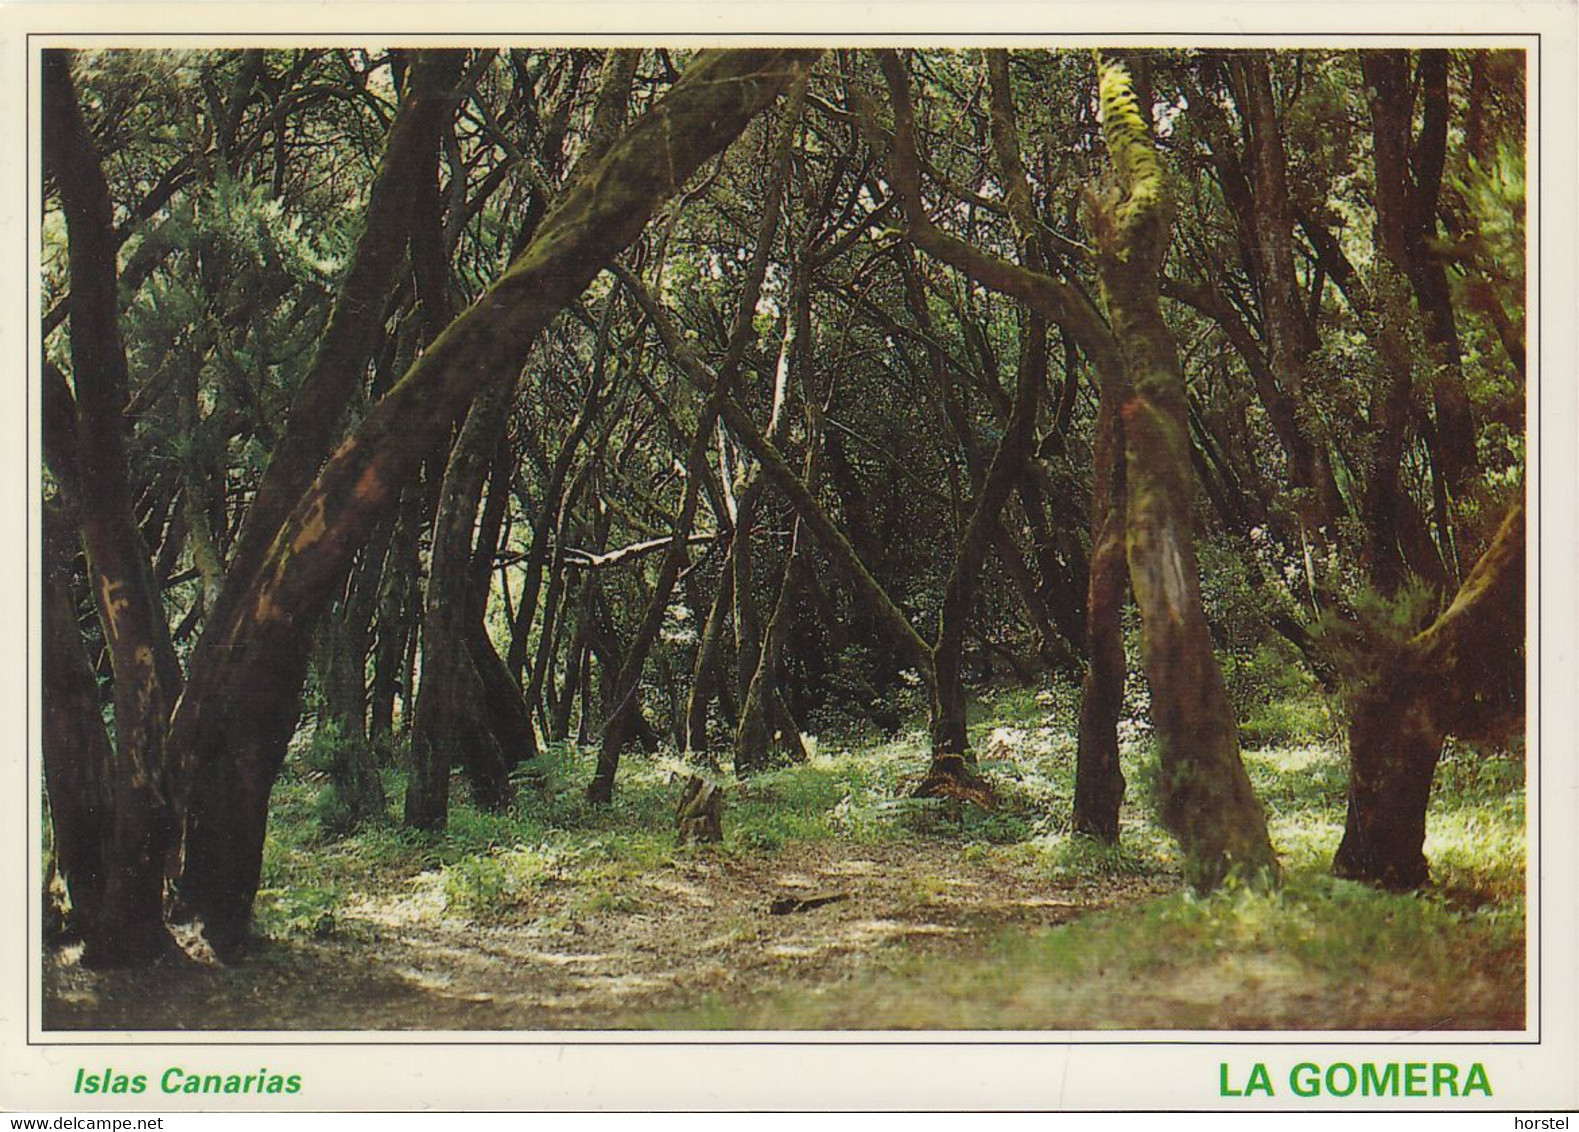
<point>886,557</point>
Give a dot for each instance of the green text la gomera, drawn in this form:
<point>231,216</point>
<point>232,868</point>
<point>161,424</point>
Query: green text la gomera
<point>1365,1079</point>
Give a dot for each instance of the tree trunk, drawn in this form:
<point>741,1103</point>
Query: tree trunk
<point>552,504</point>
<point>345,641</point>
<point>79,762</point>
<point>704,675</point>
<point>1464,675</point>
<point>1207,799</point>
<point>950,771</point>
<point>460,712</point>
<point>140,795</point>
<point>1099,780</point>
<point>397,626</point>
<point>868,590</point>
<point>766,729</point>
<point>356,323</point>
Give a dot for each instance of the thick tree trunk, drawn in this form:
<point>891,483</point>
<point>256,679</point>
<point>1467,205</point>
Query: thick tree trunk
<point>1463,676</point>
<point>1099,780</point>
<point>350,339</point>
<point>237,716</point>
<point>460,712</point>
<point>79,762</point>
<point>1207,799</point>
<point>140,795</point>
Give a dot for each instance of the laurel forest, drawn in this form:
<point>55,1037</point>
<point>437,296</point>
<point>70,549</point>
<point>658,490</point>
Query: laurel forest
<point>783,538</point>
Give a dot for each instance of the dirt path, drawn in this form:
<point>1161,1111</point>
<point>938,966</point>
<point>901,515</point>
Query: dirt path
<point>702,928</point>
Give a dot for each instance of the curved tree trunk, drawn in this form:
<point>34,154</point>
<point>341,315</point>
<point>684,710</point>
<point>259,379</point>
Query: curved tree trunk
<point>1464,675</point>
<point>624,717</point>
<point>950,772</point>
<point>1207,799</point>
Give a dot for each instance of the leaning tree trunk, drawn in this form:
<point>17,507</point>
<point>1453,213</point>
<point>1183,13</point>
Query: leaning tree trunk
<point>233,724</point>
<point>1207,801</point>
<point>229,732</point>
<point>950,772</point>
<point>1462,676</point>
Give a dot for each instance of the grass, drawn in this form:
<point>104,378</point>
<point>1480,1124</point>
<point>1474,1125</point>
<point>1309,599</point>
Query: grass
<point>1238,959</point>
<point>1313,944</point>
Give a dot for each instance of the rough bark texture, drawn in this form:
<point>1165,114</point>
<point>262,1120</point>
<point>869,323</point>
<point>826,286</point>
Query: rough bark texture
<point>458,714</point>
<point>79,761</point>
<point>139,793</point>
<point>1099,781</point>
<point>1207,801</point>
<point>1464,676</point>
<point>340,364</point>
<point>233,725</point>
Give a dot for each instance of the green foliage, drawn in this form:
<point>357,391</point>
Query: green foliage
<point>1364,640</point>
<point>1276,698</point>
<point>1128,136</point>
<point>1279,959</point>
<point>1494,193</point>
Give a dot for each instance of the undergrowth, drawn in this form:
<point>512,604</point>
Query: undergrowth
<point>492,867</point>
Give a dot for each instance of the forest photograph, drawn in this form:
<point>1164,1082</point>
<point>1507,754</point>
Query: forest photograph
<point>773,538</point>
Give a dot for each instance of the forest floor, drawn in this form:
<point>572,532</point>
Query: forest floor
<point>836,903</point>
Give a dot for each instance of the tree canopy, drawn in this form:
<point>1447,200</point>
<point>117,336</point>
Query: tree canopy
<point>449,407</point>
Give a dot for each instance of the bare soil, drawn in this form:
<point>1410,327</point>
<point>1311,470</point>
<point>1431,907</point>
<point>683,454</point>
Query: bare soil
<point>699,930</point>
